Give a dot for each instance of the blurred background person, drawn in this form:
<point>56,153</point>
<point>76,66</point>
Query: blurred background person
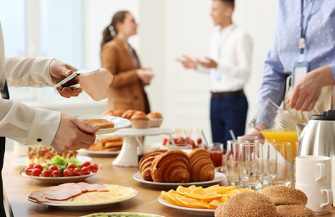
<point>120,58</point>
<point>229,65</point>
<point>299,70</point>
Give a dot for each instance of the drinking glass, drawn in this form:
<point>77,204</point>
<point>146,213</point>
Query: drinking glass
<point>284,163</point>
<point>216,154</point>
<point>231,161</point>
<point>250,164</point>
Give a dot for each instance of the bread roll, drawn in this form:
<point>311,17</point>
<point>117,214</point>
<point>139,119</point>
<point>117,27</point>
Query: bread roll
<point>294,211</point>
<point>247,204</point>
<point>281,195</point>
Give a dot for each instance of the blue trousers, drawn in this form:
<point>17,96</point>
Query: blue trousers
<point>228,113</point>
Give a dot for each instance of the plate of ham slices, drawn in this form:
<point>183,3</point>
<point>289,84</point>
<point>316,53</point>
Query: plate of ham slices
<point>82,196</point>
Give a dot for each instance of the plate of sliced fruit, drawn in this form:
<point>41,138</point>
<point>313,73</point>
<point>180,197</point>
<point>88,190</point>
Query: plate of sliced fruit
<point>60,170</point>
<point>198,200</point>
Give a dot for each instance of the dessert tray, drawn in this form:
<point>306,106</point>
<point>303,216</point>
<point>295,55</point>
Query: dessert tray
<point>217,179</point>
<point>128,155</point>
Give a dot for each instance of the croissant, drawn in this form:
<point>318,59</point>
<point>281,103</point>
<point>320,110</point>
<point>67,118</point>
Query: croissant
<point>145,163</point>
<point>201,165</point>
<point>172,166</point>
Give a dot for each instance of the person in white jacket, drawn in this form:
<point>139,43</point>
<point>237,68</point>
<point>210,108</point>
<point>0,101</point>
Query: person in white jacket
<point>32,126</point>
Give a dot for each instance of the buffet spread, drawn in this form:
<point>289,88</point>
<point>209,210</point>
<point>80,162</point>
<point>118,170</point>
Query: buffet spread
<point>167,181</point>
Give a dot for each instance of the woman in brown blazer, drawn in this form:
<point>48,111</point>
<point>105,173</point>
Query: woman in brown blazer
<point>117,55</point>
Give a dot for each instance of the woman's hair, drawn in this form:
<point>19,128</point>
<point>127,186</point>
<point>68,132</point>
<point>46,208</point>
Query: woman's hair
<point>110,31</point>
<point>230,2</point>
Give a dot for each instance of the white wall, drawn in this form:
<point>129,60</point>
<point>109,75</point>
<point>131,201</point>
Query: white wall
<point>188,27</point>
<point>169,28</point>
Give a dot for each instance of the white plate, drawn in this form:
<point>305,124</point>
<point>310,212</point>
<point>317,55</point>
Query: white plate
<point>125,214</point>
<point>24,161</point>
<point>194,211</point>
<point>98,153</point>
<point>58,180</point>
<point>118,122</point>
<point>85,206</point>
<point>217,178</point>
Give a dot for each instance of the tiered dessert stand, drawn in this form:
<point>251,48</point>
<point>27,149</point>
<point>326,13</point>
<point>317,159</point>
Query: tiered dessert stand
<point>132,139</point>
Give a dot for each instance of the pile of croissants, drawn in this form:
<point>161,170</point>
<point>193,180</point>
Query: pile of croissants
<point>177,166</point>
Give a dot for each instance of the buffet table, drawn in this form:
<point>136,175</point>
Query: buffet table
<point>18,188</point>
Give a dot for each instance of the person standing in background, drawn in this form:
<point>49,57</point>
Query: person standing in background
<point>229,65</point>
<point>299,71</point>
<point>120,58</point>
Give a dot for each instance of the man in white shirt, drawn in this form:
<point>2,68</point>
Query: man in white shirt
<point>32,126</point>
<point>229,65</point>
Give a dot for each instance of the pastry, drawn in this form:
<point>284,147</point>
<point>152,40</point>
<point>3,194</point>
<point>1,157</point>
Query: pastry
<point>113,143</point>
<point>128,114</point>
<point>144,166</point>
<point>101,123</point>
<point>282,195</point>
<point>247,204</point>
<point>139,121</point>
<point>171,166</point>
<point>155,119</point>
<point>201,165</point>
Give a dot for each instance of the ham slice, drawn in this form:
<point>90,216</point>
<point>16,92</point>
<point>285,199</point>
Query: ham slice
<point>85,187</point>
<point>64,192</point>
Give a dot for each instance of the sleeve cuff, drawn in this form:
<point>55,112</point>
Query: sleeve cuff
<point>44,127</point>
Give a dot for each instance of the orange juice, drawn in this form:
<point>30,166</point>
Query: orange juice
<point>280,137</point>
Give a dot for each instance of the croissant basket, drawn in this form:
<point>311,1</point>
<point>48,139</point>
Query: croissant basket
<point>201,165</point>
<point>172,166</point>
<point>145,164</point>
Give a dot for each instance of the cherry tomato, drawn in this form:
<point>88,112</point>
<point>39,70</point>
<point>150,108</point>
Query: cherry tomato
<point>55,173</point>
<point>46,173</point>
<point>36,172</point>
<point>38,166</point>
<point>85,170</point>
<point>53,167</point>
<point>28,171</point>
<point>67,172</point>
<point>93,168</point>
<point>30,166</point>
<point>86,164</point>
<point>76,172</point>
<point>70,166</point>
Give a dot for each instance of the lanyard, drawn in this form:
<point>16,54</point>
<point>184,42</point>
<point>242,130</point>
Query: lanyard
<point>303,28</point>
